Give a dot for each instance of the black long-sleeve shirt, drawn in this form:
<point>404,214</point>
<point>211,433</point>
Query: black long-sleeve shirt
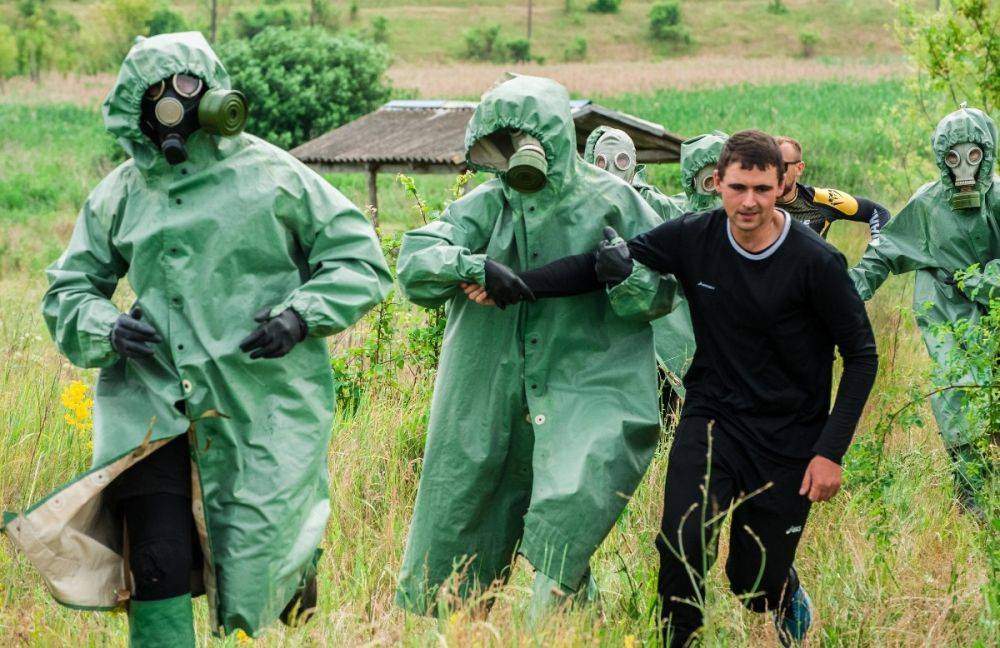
<point>765,326</point>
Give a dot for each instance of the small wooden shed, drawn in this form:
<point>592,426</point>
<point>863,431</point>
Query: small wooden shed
<point>416,136</point>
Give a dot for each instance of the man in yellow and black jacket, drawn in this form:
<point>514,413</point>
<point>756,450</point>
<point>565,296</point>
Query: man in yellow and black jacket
<point>818,208</point>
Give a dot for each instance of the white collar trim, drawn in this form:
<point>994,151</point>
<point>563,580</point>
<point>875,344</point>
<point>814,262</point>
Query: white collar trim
<point>771,249</point>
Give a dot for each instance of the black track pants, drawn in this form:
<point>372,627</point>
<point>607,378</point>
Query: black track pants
<point>688,538</point>
<point>154,496</point>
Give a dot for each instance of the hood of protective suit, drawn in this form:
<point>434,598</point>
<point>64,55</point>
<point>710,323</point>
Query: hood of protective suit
<point>966,125</point>
<point>695,154</point>
<point>539,107</point>
<point>150,60</point>
<point>588,149</point>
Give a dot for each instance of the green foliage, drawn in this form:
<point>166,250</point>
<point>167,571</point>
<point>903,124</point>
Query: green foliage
<point>482,43</point>
<point>164,20</point>
<point>518,50</point>
<point>42,37</point>
<point>957,49</point>
<point>247,24</point>
<point>353,12</point>
<point>8,52</point>
<point>485,43</point>
<point>665,23</point>
<point>380,360</point>
<point>604,6</point>
<point>302,83</point>
<point>577,51</point>
<point>776,7</point>
<point>808,40</point>
<point>380,29</point>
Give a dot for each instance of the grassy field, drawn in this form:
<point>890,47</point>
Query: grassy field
<point>890,562</point>
<point>425,32</point>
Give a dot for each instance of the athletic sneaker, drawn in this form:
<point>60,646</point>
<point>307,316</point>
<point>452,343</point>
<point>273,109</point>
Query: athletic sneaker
<point>793,625</point>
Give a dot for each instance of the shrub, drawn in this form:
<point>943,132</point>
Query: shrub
<point>303,82</point>
<point>482,43</point>
<point>777,7</point>
<point>604,6</point>
<point>8,52</point>
<point>665,23</point>
<point>248,24</point>
<point>577,51</point>
<point>165,21</point>
<point>380,29</point>
<point>518,50</point>
<point>808,40</point>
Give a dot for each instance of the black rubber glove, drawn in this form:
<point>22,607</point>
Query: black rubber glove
<point>614,263</point>
<point>132,338</point>
<point>504,287</point>
<point>276,335</point>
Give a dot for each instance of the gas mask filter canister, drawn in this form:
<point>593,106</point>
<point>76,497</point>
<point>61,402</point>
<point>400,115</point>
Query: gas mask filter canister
<point>527,167</point>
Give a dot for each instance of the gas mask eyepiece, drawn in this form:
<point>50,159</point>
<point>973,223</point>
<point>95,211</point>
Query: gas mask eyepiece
<point>704,181</point>
<point>963,161</point>
<point>174,108</point>
<point>614,152</point>
<point>527,167</point>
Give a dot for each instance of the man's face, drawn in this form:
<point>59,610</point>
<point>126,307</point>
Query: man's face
<point>748,195</point>
<point>793,166</point>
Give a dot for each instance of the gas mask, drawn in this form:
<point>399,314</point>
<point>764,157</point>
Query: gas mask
<point>963,161</point>
<point>615,153</point>
<point>527,167</point>
<point>704,181</point>
<point>172,109</point>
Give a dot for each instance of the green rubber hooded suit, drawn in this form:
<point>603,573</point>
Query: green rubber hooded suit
<point>934,240</point>
<point>674,337</point>
<point>204,244</point>
<point>544,415</point>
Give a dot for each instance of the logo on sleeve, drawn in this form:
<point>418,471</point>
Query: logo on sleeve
<point>793,529</point>
<point>702,284</point>
<point>844,203</point>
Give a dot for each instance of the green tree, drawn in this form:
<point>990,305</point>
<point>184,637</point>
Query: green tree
<point>8,53</point>
<point>303,82</point>
<point>957,48</point>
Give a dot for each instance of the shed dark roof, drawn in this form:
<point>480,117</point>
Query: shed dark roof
<point>430,136</point>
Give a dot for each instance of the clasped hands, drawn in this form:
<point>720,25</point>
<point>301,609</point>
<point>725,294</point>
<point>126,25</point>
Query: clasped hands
<point>273,337</point>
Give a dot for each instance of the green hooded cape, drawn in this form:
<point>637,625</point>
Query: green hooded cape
<point>544,416</point>
<point>934,240</point>
<point>204,244</point>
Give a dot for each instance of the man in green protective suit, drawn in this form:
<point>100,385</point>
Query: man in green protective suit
<point>947,226</point>
<point>544,415</point>
<point>215,399</point>
<point>672,334</point>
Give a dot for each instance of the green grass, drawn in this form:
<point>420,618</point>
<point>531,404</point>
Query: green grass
<point>431,31</point>
<point>890,562</point>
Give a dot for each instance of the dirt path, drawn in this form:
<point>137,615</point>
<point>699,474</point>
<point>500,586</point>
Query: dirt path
<point>612,78</point>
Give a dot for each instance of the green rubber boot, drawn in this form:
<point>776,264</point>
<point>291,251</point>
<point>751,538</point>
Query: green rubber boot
<point>166,623</point>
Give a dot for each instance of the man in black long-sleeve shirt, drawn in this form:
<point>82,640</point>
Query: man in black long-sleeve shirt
<point>769,301</point>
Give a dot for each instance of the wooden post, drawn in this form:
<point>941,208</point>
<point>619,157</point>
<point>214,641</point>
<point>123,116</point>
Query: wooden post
<point>529,20</point>
<point>373,193</point>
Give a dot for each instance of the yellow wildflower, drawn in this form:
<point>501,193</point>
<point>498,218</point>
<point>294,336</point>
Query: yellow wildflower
<point>629,641</point>
<point>78,405</point>
<point>243,638</point>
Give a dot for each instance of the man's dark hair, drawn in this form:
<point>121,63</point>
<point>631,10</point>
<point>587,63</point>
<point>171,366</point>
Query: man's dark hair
<point>753,149</point>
